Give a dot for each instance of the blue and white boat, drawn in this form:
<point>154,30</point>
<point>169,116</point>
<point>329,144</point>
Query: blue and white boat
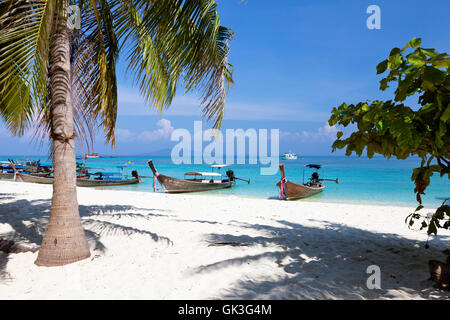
<point>289,156</point>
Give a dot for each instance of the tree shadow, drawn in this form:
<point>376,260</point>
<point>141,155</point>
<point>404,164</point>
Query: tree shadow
<point>5,196</point>
<point>316,263</point>
<point>28,220</point>
<point>4,275</point>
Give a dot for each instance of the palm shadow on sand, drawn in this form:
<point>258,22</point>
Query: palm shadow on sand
<point>28,220</point>
<point>315,267</point>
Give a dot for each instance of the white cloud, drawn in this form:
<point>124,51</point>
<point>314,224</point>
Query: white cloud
<point>287,134</point>
<point>124,135</point>
<point>162,133</point>
<point>325,133</point>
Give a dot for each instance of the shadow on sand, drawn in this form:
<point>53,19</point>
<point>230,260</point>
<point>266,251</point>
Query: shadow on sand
<point>28,220</point>
<point>331,263</point>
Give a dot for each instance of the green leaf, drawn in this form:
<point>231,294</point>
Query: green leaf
<point>415,42</point>
<point>417,58</point>
<point>394,52</point>
<point>339,134</point>
<point>442,63</point>
<point>382,66</point>
<point>384,84</point>
<point>446,115</point>
<point>433,75</point>
<point>429,52</point>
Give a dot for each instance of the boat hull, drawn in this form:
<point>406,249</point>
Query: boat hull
<point>174,185</point>
<point>6,175</point>
<point>294,191</point>
<point>105,183</point>
<point>81,182</point>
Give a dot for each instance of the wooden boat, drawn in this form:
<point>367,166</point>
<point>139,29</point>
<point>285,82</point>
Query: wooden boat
<point>32,178</point>
<point>10,175</point>
<point>292,190</point>
<point>108,182</point>
<point>6,175</point>
<point>201,181</point>
<point>7,172</point>
<point>82,182</point>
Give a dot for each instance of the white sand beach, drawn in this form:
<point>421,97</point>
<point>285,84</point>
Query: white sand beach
<point>156,246</point>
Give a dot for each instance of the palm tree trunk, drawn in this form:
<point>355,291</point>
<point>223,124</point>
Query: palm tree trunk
<point>64,241</point>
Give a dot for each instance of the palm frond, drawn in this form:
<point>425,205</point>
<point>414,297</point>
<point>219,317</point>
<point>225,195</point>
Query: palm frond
<point>26,28</point>
<point>154,75</point>
<point>94,72</point>
<point>171,43</point>
<point>189,40</point>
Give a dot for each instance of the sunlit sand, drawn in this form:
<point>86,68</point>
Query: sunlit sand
<point>158,246</point>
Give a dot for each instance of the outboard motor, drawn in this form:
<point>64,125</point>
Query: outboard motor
<point>315,177</point>
<point>230,175</point>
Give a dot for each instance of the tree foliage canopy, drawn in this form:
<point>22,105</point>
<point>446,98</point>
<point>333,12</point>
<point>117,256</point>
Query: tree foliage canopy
<point>391,128</point>
<point>166,44</point>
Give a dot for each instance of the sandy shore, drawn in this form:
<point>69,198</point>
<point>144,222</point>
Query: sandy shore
<point>156,246</point>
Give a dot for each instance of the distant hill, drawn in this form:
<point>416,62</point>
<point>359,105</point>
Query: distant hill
<point>157,153</point>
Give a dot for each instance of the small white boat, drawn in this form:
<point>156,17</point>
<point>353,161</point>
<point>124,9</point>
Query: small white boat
<point>289,156</point>
<point>92,156</point>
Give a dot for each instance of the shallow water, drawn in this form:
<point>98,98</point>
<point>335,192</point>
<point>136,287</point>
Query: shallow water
<point>361,180</point>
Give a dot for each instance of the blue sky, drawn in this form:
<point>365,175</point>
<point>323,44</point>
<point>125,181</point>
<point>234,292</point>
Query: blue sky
<point>294,60</point>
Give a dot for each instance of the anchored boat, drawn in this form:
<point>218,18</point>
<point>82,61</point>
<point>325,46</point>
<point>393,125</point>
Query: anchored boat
<point>7,170</point>
<point>99,179</point>
<point>289,156</point>
<point>292,190</point>
<point>195,181</point>
<point>92,156</point>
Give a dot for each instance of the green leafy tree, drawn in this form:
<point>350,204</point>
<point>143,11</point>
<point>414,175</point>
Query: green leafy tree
<point>64,81</point>
<point>391,128</point>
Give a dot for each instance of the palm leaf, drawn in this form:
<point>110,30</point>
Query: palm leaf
<point>26,28</point>
<point>188,38</point>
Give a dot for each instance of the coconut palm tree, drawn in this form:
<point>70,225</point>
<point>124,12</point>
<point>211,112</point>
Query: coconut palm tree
<point>62,81</point>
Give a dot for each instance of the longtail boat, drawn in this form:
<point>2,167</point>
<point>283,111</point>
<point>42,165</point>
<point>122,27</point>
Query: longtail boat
<point>81,182</point>
<point>7,171</point>
<point>6,175</point>
<point>200,181</point>
<point>293,191</point>
<point>100,179</point>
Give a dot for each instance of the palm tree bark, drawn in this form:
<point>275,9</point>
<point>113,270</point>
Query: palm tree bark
<point>64,241</point>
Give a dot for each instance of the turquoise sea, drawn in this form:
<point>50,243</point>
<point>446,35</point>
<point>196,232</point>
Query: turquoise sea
<point>361,180</point>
